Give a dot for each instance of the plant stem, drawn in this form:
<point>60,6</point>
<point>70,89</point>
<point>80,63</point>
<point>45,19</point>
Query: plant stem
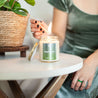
<point>13,4</point>
<point>7,1</point>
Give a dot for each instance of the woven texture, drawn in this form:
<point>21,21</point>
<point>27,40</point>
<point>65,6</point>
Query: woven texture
<point>12,28</point>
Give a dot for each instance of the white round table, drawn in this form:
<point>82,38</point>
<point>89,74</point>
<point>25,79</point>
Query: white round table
<point>12,67</point>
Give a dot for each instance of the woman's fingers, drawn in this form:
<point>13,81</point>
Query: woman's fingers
<point>78,84</point>
<point>40,24</point>
<point>33,21</point>
<point>75,79</point>
<point>34,26</point>
<point>38,28</point>
<point>35,29</point>
<point>37,25</point>
<point>83,85</point>
<point>44,25</point>
<point>90,82</point>
<point>37,35</point>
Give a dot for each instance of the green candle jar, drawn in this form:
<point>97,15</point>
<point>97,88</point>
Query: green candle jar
<point>49,49</point>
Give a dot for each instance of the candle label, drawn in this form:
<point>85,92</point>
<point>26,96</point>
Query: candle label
<point>49,51</point>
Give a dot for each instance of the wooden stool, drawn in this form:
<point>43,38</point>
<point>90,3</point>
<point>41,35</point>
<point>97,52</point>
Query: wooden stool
<point>13,84</point>
<point>22,50</point>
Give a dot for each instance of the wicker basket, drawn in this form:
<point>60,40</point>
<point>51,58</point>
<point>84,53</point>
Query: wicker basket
<point>12,28</point>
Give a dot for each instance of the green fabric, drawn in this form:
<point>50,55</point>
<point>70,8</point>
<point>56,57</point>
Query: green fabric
<point>60,4</point>
<point>82,40</point>
<point>82,30</point>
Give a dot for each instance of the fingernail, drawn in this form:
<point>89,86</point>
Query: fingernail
<point>37,26</point>
<point>43,32</point>
<point>40,29</point>
<point>72,87</point>
<point>76,89</point>
<point>35,21</point>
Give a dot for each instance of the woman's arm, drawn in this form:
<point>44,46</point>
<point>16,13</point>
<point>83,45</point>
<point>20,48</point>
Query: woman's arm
<point>93,58</point>
<point>87,73</point>
<point>59,24</point>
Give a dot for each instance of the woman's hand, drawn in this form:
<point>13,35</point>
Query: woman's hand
<point>38,27</point>
<point>86,74</point>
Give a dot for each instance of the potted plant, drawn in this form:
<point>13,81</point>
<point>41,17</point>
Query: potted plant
<point>13,22</point>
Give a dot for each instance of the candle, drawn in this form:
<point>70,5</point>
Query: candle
<point>49,49</point>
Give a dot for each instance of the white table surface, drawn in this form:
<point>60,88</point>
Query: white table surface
<point>12,67</point>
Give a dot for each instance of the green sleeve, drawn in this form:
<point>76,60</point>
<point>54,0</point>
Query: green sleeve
<point>60,4</point>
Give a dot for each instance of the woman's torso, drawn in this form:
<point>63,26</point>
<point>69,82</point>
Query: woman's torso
<point>82,32</point>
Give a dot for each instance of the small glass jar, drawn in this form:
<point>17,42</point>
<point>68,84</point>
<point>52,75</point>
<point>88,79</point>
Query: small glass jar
<point>49,49</point>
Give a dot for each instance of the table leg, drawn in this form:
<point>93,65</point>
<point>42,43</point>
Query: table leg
<point>2,53</point>
<point>51,89</point>
<point>16,89</point>
<point>22,53</point>
<point>2,94</point>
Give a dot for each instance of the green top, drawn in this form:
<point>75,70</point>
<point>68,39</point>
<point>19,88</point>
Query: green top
<point>82,29</point>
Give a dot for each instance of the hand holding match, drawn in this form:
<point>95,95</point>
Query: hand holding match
<point>39,28</point>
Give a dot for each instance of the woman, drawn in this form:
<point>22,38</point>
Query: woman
<point>79,19</point>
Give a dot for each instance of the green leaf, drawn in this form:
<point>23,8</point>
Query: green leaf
<point>31,2</point>
<point>6,5</point>
<point>2,2</point>
<point>21,11</point>
<point>16,5</point>
<point>11,2</point>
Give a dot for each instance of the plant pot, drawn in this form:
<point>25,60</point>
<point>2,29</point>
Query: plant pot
<point>12,28</point>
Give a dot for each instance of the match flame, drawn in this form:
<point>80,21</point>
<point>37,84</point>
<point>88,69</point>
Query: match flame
<point>49,28</point>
